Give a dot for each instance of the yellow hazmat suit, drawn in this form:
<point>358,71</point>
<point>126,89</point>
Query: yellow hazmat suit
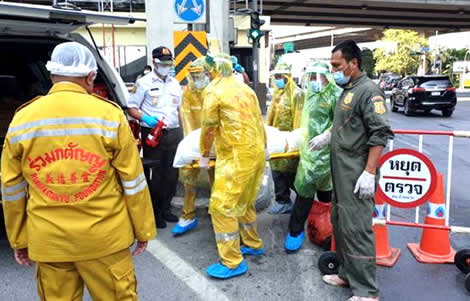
<point>190,112</point>
<point>285,112</point>
<point>232,117</point>
<point>74,194</point>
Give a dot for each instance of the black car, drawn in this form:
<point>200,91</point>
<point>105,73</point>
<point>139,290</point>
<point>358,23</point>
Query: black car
<point>424,93</point>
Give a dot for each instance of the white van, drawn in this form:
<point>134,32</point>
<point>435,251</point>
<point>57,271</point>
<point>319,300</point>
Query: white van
<point>28,34</point>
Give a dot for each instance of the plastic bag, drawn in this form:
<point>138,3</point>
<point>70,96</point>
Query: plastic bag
<point>319,228</point>
<point>188,150</point>
<point>266,192</point>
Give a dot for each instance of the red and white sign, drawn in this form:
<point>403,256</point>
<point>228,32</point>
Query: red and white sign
<point>407,178</point>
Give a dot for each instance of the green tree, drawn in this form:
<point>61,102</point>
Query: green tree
<point>448,56</point>
<point>368,62</point>
<point>405,59</point>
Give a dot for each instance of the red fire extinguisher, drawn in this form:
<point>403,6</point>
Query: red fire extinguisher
<point>153,137</point>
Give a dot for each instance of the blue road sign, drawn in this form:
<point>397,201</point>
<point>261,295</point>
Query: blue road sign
<point>190,11</point>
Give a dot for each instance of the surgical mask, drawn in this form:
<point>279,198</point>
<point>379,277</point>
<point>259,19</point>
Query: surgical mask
<point>201,84</point>
<point>280,83</point>
<point>163,70</point>
<point>340,78</point>
<point>146,71</point>
<point>316,86</point>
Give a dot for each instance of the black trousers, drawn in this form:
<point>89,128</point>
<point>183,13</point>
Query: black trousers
<point>301,210</point>
<point>283,183</point>
<point>164,178</point>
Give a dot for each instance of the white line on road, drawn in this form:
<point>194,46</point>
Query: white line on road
<point>412,145</point>
<point>190,277</point>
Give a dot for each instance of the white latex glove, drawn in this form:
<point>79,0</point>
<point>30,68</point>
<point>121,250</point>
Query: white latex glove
<point>365,185</point>
<point>320,141</point>
<point>204,162</point>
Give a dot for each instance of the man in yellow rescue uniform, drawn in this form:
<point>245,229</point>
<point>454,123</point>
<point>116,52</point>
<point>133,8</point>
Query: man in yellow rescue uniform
<point>190,113</point>
<point>284,114</point>
<point>74,191</point>
<point>231,116</point>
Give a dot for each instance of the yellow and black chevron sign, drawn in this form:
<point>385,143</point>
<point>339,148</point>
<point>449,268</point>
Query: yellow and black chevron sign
<point>189,45</point>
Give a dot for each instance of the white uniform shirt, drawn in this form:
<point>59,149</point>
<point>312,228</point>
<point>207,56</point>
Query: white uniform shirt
<point>239,76</point>
<point>155,97</point>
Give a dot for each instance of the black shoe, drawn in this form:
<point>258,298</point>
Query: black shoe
<point>161,224</point>
<point>170,217</point>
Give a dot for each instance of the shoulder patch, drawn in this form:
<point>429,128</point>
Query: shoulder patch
<point>377,98</point>
<point>379,107</point>
<point>349,98</point>
<point>27,103</point>
<point>107,100</point>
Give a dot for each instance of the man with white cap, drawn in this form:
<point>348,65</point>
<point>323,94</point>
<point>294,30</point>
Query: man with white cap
<point>75,196</point>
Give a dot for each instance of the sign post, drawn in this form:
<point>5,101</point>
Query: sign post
<point>190,11</point>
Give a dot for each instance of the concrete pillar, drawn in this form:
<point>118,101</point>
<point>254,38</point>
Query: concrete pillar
<point>219,23</point>
<point>160,26</point>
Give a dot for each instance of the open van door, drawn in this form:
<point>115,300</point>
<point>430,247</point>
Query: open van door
<point>16,18</point>
<point>59,21</point>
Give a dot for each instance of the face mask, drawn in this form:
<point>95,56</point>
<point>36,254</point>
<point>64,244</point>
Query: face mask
<point>163,71</point>
<point>201,84</point>
<point>340,78</point>
<point>316,86</point>
<point>280,83</point>
<point>146,71</point>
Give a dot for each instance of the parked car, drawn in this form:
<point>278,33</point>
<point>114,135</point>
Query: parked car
<point>28,34</point>
<point>389,81</point>
<point>424,93</point>
<point>385,77</point>
<point>392,83</point>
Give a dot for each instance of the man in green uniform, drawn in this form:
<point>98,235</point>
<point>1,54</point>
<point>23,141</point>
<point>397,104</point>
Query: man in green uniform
<point>284,114</point>
<point>359,134</point>
<point>313,175</point>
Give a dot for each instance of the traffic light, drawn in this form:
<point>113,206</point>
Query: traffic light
<point>255,32</point>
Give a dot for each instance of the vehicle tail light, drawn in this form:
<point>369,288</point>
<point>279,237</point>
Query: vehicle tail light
<point>414,90</point>
<point>451,89</point>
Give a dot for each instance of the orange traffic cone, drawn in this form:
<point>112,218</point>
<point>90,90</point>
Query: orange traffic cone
<point>384,255</point>
<point>435,244</point>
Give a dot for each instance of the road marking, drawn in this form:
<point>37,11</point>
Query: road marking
<point>204,289</point>
<point>412,145</point>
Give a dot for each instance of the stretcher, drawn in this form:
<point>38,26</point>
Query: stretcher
<point>290,155</point>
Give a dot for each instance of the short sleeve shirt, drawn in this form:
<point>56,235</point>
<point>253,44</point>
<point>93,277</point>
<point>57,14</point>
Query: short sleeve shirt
<point>159,98</point>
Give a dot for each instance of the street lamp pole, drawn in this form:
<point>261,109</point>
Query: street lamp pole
<point>255,52</point>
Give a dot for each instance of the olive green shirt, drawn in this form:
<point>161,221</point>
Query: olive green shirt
<point>360,119</point>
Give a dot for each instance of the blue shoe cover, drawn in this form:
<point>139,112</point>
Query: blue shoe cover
<point>178,230</point>
<point>249,251</point>
<point>218,270</point>
<point>278,208</point>
<point>292,243</point>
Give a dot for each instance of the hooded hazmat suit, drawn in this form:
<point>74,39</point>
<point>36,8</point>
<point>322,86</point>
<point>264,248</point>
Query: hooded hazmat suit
<point>284,114</point>
<point>190,113</point>
<point>313,175</point>
<point>232,118</point>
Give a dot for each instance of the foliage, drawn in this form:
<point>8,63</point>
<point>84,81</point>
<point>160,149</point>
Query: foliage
<point>405,59</point>
<point>368,61</point>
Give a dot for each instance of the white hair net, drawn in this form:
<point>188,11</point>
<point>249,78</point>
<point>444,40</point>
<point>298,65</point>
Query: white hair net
<point>71,59</point>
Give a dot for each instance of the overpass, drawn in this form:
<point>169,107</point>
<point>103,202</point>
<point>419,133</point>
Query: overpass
<point>373,16</point>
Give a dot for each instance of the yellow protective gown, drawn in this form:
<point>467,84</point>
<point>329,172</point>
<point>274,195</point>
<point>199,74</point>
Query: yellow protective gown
<point>285,114</point>
<point>190,113</point>
<point>72,179</point>
<point>232,117</point>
